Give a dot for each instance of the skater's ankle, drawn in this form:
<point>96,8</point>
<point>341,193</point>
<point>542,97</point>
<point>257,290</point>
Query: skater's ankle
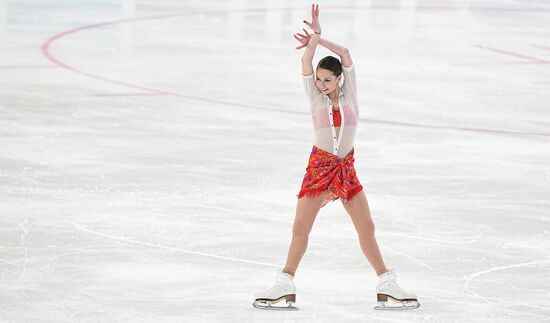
<point>385,270</point>
<point>289,271</point>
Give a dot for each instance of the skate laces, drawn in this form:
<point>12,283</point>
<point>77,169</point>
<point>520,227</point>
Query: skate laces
<point>395,284</point>
<point>392,283</point>
<point>278,286</point>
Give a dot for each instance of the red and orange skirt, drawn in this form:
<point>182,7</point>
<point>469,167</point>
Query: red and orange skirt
<point>328,172</point>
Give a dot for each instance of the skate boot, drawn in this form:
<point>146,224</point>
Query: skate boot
<point>387,288</point>
<point>283,289</point>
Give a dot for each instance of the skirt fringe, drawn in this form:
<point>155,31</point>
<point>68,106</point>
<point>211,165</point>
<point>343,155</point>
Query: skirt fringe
<point>328,172</point>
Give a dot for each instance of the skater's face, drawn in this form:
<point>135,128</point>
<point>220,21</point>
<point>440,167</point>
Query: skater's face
<point>326,81</point>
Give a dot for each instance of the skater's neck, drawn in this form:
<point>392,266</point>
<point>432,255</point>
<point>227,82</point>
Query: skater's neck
<point>333,96</point>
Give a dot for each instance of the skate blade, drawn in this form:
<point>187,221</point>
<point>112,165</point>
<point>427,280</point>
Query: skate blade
<point>402,306</point>
<point>266,306</point>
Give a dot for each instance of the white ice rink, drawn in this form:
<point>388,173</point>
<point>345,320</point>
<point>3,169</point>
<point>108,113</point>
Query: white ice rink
<point>151,152</point>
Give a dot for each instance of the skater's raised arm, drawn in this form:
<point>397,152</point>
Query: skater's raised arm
<point>349,71</point>
<point>309,41</point>
<point>307,58</point>
<point>339,50</point>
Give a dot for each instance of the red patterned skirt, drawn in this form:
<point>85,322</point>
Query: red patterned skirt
<point>328,172</point>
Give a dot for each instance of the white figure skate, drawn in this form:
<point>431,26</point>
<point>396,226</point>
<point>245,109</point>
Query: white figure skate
<point>283,289</point>
<point>387,288</point>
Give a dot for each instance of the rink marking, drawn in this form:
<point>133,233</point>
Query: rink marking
<point>46,51</point>
<point>443,8</point>
<point>27,66</point>
<point>541,47</point>
<point>530,60</point>
<point>499,63</point>
<point>130,94</point>
<point>159,246</point>
<point>505,52</point>
<point>507,132</point>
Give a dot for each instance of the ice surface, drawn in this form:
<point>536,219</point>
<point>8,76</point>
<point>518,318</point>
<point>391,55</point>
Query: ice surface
<point>151,153</point>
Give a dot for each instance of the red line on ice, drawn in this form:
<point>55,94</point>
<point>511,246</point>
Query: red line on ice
<point>496,50</point>
<point>27,66</point>
<point>46,51</point>
<point>541,47</point>
<point>128,94</point>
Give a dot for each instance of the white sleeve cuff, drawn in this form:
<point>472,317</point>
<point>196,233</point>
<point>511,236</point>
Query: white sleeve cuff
<point>348,68</point>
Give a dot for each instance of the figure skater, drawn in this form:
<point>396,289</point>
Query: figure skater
<point>330,173</point>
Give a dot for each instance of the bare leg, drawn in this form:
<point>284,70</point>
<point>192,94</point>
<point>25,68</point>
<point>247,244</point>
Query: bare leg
<point>358,209</point>
<point>306,212</point>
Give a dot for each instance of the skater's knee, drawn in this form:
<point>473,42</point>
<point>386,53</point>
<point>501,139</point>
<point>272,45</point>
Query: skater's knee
<point>371,228</point>
<point>367,229</point>
<point>301,229</point>
<point>300,233</point>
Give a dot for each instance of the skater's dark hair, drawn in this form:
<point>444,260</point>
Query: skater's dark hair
<point>332,64</point>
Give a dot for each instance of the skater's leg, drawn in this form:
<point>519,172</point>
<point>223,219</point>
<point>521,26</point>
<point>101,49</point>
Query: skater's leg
<point>306,211</point>
<point>358,209</point>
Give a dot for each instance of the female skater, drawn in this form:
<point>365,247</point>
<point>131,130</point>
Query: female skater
<point>330,173</point>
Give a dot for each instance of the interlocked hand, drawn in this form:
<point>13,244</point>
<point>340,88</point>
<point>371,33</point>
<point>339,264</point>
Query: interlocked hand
<point>303,39</point>
<point>314,25</point>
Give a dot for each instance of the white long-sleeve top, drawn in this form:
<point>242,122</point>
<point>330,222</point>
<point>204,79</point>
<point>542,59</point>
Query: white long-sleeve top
<point>326,137</point>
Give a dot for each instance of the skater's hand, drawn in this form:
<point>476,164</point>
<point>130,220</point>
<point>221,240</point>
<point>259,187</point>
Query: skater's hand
<point>303,39</point>
<point>314,24</point>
